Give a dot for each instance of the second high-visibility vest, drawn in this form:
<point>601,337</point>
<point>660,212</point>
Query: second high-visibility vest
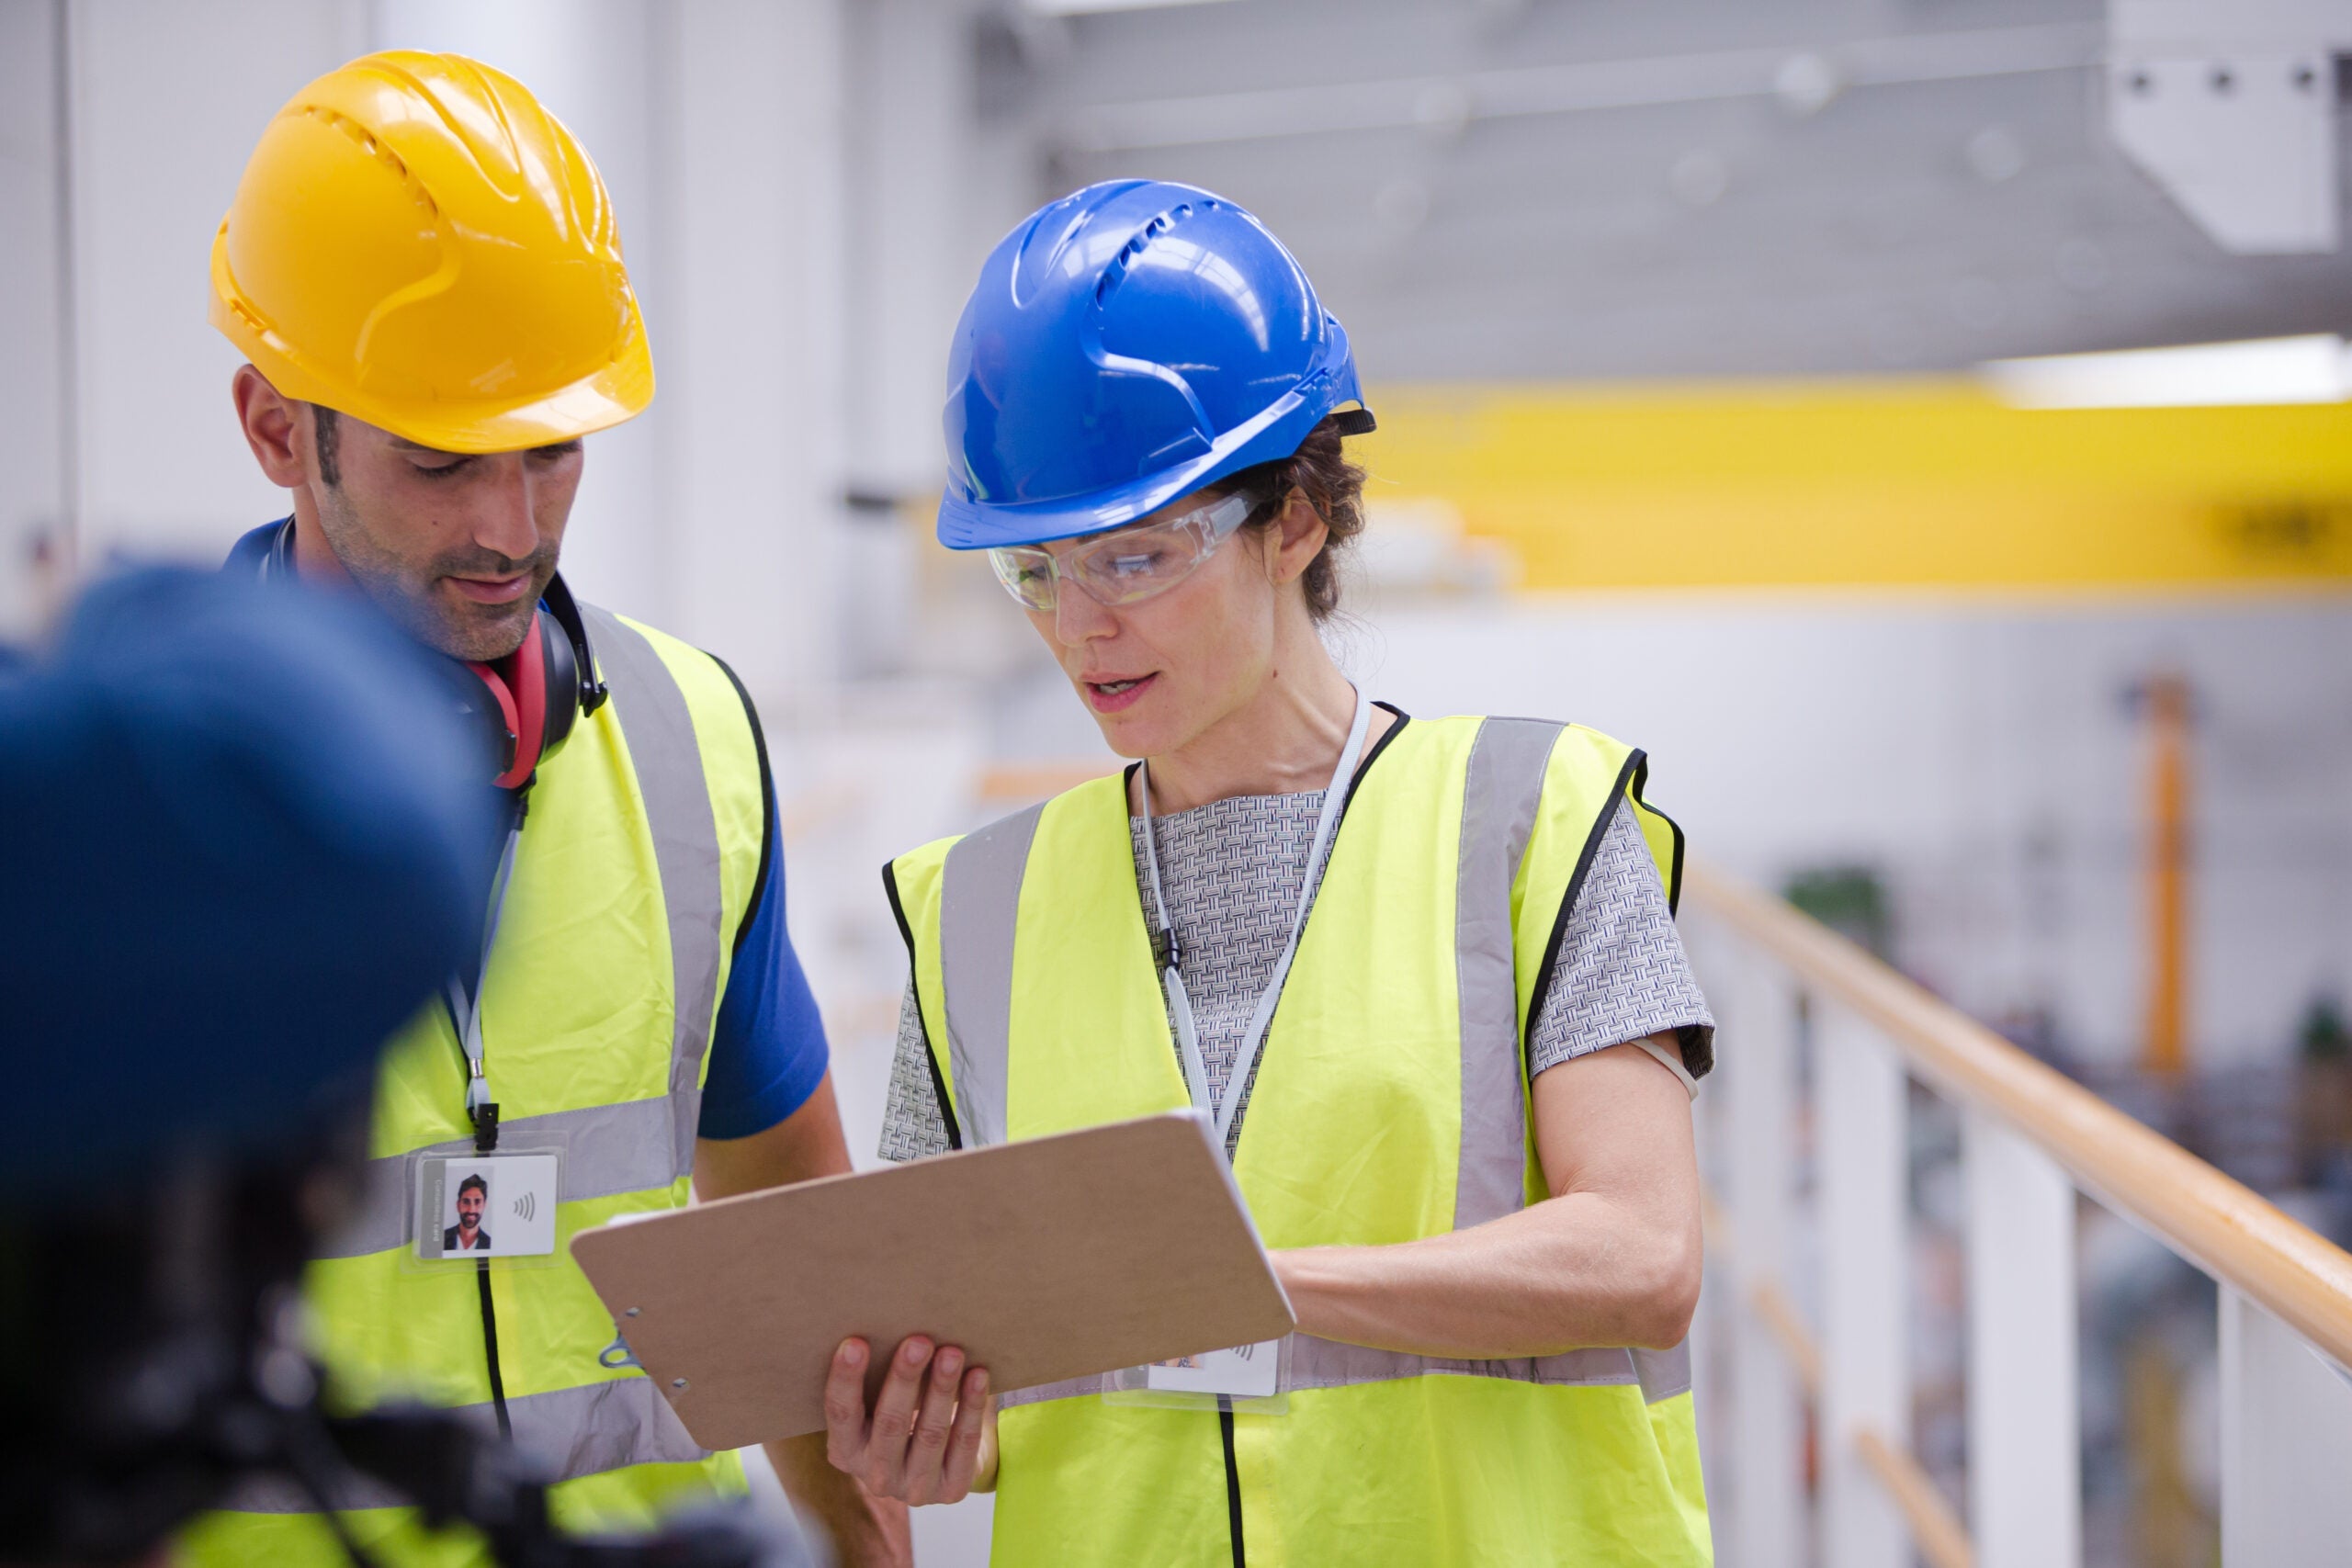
<point>635,868</point>
<point>1391,1103</point>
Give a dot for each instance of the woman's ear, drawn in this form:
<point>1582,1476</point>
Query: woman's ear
<point>1297,536</point>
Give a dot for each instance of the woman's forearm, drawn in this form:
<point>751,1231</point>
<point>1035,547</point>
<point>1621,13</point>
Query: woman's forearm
<point>1573,1272</point>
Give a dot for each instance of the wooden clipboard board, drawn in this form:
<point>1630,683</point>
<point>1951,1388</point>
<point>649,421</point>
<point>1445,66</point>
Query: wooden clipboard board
<point>1048,1258</point>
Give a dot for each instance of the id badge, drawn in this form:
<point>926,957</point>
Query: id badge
<point>474,1206</point>
<point>1251,1377</point>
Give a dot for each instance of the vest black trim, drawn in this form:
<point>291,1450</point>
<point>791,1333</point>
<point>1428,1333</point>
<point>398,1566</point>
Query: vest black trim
<point>1628,777</point>
<point>767,801</point>
<point>914,989</point>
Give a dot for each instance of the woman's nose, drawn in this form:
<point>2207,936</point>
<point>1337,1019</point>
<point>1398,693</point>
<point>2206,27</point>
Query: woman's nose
<point>1077,617</point>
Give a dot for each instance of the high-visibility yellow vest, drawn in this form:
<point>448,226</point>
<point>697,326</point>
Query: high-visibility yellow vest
<point>633,874</point>
<point>1391,1103</point>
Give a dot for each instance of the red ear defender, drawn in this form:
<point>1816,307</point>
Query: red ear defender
<point>519,681</point>
<point>503,698</point>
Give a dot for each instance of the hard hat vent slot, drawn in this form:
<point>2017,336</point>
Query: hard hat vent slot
<point>366,142</point>
<point>1116,272</point>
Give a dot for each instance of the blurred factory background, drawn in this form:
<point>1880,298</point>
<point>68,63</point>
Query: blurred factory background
<point>1682,325</point>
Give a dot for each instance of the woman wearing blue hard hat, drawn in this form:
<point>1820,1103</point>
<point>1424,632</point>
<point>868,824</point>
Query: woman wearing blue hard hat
<point>1421,973</point>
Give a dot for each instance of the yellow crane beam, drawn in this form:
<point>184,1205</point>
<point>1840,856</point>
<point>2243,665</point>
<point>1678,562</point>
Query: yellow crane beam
<point>1900,482</point>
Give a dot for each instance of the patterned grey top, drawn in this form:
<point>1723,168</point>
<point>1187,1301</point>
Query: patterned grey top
<point>1232,872</point>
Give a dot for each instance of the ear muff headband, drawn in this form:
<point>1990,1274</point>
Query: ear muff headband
<point>562,684</point>
<point>540,691</point>
<point>559,602</point>
<point>547,683</point>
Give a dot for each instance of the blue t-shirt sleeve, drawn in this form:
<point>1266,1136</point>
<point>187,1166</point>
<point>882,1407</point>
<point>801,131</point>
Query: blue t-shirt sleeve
<point>767,1054</point>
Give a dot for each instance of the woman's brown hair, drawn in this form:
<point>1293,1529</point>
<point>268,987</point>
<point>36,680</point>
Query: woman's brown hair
<point>1333,486</point>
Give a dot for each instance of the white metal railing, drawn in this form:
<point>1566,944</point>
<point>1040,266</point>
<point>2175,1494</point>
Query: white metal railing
<point>2031,1139</point>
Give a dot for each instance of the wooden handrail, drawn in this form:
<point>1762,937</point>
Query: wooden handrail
<point>2217,1223</point>
<point>1935,1528</point>
<point>1777,1313</point>
<point>1934,1524</point>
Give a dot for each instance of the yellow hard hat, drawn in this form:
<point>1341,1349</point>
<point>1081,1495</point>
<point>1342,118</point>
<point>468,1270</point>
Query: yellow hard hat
<point>417,243</point>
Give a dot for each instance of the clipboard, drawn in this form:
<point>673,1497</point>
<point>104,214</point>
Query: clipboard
<point>1048,1259</point>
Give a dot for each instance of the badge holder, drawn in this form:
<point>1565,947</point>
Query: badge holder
<point>465,1209</point>
<point>468,1207</point>
<point>1249,1379</point>
<point>1245,1378</point>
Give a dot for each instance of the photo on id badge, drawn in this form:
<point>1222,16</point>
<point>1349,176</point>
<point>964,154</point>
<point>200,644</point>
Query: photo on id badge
<point>486,1206</point>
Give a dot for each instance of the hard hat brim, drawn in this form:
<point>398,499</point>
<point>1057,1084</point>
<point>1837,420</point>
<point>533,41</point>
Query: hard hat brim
<point>617,392</point>
<point>968,524</point>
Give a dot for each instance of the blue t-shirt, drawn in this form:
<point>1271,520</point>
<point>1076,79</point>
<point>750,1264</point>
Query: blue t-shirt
<point>767,1054</point>
<point>767,1049</point>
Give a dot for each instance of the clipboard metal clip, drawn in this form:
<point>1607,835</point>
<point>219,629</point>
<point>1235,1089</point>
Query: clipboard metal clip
<point>617,1354</point>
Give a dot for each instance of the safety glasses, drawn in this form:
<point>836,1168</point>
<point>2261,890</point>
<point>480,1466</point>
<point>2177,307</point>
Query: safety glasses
<point>1125,566</point>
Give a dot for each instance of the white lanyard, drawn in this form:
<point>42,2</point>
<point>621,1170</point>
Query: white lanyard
<point>1180,1005</point>
<point>465,1012</point>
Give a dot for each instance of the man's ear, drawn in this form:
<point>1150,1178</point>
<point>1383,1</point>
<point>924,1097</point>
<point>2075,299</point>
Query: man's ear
<point>278,429</point>
<point>1299,533</point>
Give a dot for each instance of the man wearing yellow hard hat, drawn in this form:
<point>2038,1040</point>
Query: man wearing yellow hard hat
<point>423,270</point>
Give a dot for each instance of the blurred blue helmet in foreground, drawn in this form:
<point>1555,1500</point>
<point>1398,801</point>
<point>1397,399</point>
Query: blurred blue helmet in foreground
<point>244,840</point>
<point>1128,344</point>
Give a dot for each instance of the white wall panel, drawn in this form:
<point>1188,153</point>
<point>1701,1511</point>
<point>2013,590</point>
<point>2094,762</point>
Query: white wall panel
<point>1982,756</point>
<point>595,64</point>
<point>33,429</point>
<point>757,450</point>
<point>168,102</point>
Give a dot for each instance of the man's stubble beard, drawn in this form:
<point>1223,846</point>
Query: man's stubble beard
<point>483,633</point>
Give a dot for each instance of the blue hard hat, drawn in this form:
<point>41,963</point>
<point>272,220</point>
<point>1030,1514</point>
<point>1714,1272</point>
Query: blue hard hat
<point>1126,345</point>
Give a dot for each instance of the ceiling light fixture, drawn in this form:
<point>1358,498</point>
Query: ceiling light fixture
<point>2313,369</point>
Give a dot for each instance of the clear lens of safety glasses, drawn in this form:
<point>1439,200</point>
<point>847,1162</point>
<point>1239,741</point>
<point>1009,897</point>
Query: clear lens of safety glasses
<point>1125,566</point>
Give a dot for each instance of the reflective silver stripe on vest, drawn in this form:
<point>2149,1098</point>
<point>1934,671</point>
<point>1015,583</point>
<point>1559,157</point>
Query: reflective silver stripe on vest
<point>1069,1388</point>
<point>607,1149</point>
<point>1327,1363</point>
<point>641,1143</point>
<point>979,901</point>
<point>668,763</point>
<point>1664,1374</point>
<point>1499,798</point>
<point>567,1434</point>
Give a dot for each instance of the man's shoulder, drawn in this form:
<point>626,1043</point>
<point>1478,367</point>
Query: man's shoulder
<point>725,723</point>
<point>673,649</point>
<point>254,547</point>
<point>701,675</point>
